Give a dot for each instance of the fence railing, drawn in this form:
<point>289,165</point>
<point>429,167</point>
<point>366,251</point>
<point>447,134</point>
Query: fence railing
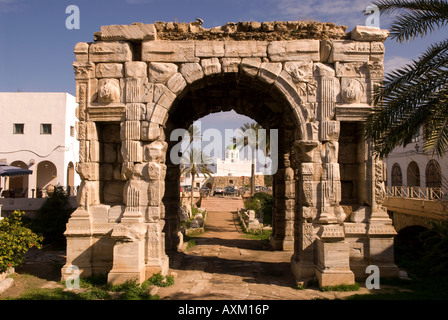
<point>423,193</point>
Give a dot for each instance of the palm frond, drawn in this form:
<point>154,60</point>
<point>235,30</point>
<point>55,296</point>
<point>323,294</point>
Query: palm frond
<point>417,18</point>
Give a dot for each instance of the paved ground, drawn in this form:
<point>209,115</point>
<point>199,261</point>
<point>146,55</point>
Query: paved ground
<point>225,264</point>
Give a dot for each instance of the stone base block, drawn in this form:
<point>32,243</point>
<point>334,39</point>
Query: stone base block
<point>68,271</point>
<point>302,271</point>
<point>281,244</point>
<point>334,277</point>
<point>162,267</point>
<point>388,270</point>
<point>121,276</point>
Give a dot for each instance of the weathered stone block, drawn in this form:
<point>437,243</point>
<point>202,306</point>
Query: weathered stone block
<point>81,52</point>
<point>137,31</point>
<point>191,72</point>
<point>88,170</point>
<point>269,71</point>
<point>100,213</point>
<point>135,111</point>
<point>169,51</point>
<point>245,49</point>
<point>132,151</point>
<point>230,65</point>
<point>156,113</point>
<point>155,152</point>
<point>329,131</point>
<point>349,51</point>
<point>211,66</point>
<point>149,131</point>
<point>160,72</point>
<point>131,130</point>
<point>109,70</point>
<point>364,33</point>
<point>102,51</point>
<point>163,96</point>
<point>294,50</point>
<point>209,49</point>
<point>135,69</point>
<point>250,66</point>
<point>176,83</point>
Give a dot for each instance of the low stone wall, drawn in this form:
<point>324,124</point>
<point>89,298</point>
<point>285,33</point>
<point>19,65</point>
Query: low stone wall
<point>29,205</point>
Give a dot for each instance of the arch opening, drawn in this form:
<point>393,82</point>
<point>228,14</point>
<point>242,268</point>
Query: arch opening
<point>46,178</point>
<point>250,98</point>
<point>19,185</point>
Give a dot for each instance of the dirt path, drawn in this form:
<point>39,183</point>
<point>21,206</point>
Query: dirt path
<point>225,264</point>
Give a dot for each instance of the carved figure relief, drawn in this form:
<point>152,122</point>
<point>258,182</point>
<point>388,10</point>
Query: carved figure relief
<point>352,90</point>
<point>109,91</point>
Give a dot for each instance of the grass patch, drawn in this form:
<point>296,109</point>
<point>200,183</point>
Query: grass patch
<point>97,288</point>
<point>190,244</point>
<point>341,288</point>
<point>262,235</point>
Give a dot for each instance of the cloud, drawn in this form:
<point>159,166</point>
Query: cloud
<point>395,62</point>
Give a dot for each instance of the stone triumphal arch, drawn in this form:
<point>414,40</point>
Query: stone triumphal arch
<point>312,81</point>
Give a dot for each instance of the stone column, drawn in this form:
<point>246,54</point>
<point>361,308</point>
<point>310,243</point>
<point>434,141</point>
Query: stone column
<point>380,231</point>
<point>79,227</point>
<point>333,262</point>
<point>302,263</point>
<point>282,237</point>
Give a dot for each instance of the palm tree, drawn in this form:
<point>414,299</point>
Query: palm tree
<point>415,95</point>
<point>196,163</point>
<point>250,134</point>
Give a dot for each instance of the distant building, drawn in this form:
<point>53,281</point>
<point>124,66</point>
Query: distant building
<point>229,171</point>
<point>38,133</point>
<point>410,166</point>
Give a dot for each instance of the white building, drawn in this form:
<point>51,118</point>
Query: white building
<point>410,166</point>
<point>230,166</point>
<point>38,133</point>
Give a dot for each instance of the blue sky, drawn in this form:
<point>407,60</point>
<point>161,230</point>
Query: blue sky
<point>36,49</point>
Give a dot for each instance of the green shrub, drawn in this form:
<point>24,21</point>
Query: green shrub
<point>15,241</point>
<point>53,216</point>
<point>159,280</point>
<point>261,202</point>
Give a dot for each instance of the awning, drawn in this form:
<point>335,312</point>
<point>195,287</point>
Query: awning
<point>8,171</point>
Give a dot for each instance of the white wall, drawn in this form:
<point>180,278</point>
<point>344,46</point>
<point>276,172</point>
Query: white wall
<point>405,155</point>
<point>32,109</point>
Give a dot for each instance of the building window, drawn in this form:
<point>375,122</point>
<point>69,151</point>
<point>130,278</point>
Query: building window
<point>72,131</point>
<point>433,174</point>
<point>45,128</point>
<point>397,178</point>
<point>18,128</point>
<point>413,174</point>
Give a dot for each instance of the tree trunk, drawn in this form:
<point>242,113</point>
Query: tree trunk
<point>252,174</point>
<point>192,193</point>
